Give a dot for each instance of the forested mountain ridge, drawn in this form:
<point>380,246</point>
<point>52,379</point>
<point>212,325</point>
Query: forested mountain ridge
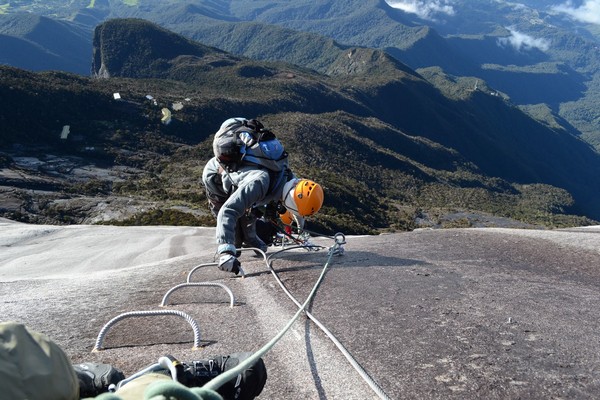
<point>41,43</point>
<point>390,148</point>
<point>536,52</point>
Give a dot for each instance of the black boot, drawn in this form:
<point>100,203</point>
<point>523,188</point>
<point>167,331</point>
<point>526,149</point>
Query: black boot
<point>245,386</point>
<point>95,379</point>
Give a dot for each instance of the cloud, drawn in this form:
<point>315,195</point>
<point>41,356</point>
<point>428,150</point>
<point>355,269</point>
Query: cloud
<point>589,11</point>
<point>424,9</point>
<point>521,41</point>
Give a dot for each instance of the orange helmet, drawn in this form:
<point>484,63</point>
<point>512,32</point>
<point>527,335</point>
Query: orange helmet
<point>308,196</point>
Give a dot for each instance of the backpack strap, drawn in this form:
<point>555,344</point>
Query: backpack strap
<point>276,179</point>
<point>222,170</point>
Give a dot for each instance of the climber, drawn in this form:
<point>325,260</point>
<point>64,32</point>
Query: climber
<point>250,170</point>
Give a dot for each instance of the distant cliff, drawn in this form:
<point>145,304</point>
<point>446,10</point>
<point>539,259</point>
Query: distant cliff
<point>137,49</point>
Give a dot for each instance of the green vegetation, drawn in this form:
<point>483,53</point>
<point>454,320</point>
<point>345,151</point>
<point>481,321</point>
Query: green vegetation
<point>564,77</point>
<point>393,151</point>
<point>5,161</point>
<point>44,7</point>
<point>165,217</point>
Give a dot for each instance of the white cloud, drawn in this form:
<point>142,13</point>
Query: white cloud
<point>521,41</point>
<point>424,9</point>
<point>515,6</point>
<point>589,11</point>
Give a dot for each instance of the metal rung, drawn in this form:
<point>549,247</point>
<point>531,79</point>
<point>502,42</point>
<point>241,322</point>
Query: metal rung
<point>191,284</point>
<point>198,267</point>
<point>189,319</point>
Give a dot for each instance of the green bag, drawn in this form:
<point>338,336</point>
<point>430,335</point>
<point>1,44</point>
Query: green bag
<point>33,367</point>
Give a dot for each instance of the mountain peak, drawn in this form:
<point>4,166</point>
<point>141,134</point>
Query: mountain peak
<point>366,61</point>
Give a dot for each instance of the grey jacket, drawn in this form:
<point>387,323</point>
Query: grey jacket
<point>237,192</point>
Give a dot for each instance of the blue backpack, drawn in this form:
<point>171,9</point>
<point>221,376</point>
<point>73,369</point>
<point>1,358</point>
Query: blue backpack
<point>240,141</point>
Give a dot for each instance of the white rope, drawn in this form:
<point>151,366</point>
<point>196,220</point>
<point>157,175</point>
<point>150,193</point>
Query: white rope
<point>335,249</point>
<point>226,376</point>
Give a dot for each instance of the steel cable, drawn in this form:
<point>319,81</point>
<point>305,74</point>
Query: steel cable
<point>359,369</point>
<point>232,373</point>
<point>219,380</point>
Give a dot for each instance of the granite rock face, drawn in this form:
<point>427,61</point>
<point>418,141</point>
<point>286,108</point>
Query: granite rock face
<point>455,313</point>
